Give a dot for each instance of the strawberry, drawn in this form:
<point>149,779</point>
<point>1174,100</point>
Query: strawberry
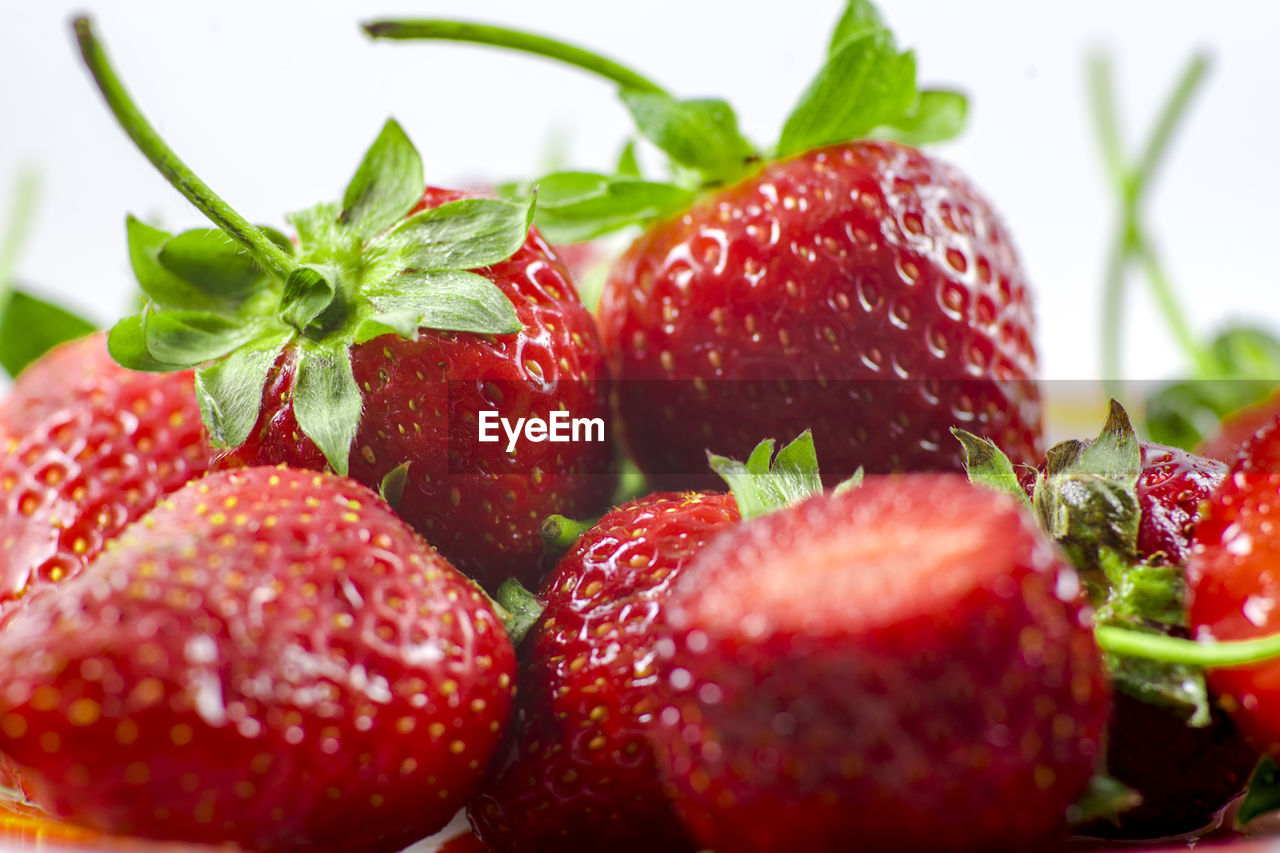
<point>907,663</point>
<point>86,447</point>
<point>861,289</point>
<point>269,657</point>
<point>1125,511</point>
<point>580,775</point>
<point>1233,583</point>
<point>378,342</point>
<point>1236,428</point>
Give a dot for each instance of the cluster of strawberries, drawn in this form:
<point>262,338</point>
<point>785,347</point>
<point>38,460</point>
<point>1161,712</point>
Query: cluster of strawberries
<point>221,620</point>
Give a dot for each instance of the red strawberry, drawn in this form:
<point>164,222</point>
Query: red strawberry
<point>860,289</point>
<point>1237,428</point>
<point>86,447</point>
<point>378,343</point>
<point>269,657</point>
<point>580,775</point>
<point>907,664</point>
<point>1234,585</point>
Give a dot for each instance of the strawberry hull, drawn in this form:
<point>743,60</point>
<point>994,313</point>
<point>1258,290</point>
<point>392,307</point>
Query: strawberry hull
<point>907,664</point>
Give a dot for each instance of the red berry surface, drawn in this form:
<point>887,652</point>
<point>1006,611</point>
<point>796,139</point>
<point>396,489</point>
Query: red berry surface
<point>863,290</point>
<point>269,657</point>
<point>907,664</point>
<point>1172,487</point>
<point>1237,428</point>
<point>580,774</point>
<point>481,506</point>
<point>1234,585</point>
<point>86,447</point>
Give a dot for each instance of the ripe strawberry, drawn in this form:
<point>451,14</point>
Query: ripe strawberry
<point>861,289</point>
<point>269,657</point>
<point>907,664</point>
<point>376,342</point>
<point>86,447</point>
<point>579,774</point>
<point>1237,428</point>
<point>1234,586</point>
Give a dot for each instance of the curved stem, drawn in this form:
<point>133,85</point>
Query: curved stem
<point>521,609</point>
<point>1167,301</point>
<point>1113,317</point>
<point>515,40</point>
<point>1104,118</point>
<point>560,532</point>
<point>1174,111</point>
<point>268,254</point>
<point>1166,649</point>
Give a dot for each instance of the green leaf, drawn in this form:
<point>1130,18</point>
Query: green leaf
<point>865,83</point>
<point>189,338</point>
<point>463,235</point>
<point>1115,453</point>
<point>936,116</point>
<point>1105,798</point>
<point>327,402</point>
<point>212,262</point>
<point>988,466</point>
<point>30,327</point>
<point>309,290</point>
<point>445,300</point>
<point>230,391</point>
<point>1263,793</point>
<point>761,487</point>
<point>859,17</point>
<point>165,290</point>
<point>577,206</point>
<point>127,343</point>
<point>698,134</point>
<point>848,484</point>
<point>1154,594</point>
<point>628,166</point>
<point>386,185</point>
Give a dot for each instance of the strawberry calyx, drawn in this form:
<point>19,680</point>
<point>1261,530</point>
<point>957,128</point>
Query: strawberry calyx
<point>765,482</point>
<point>233,300</point>
<point>518,608</point>
<point>866,87</point>
<point>559,533</point>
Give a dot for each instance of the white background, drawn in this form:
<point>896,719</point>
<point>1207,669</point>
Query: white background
<point>273,103</point>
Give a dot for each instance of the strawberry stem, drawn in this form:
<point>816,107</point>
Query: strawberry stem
<point>21,213</point>
<point>560,532</point>
<point>1131,242</point>
<point>521,609</point>
<point>1166,649</point>
<point>270,256</point>
<point>587,60</point>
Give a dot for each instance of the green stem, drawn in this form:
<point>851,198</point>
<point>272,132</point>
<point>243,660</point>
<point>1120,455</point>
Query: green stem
<point>559,532</point>
<point>514,40</point>
<point>1174,111</point>
<point>1166,649</point>
<point>21,213</point>
<point>272,258</point>
<point>1113,317</point>
<point>1104,118</point>
<point>522,609</point>
<point>1167,301</point>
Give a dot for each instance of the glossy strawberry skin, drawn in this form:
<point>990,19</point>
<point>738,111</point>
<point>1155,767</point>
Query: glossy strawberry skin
<point>580,774</point>
<point>1237,428</point>
<point>86,447</point>
<point>873,279</point>
<point>481,506</point>
<point>1234,586</point>
<point>270,657</point>
<point>907,664</point>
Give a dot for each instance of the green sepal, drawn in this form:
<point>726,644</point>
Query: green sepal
<point>936,116</point>
<point>763,483</point>
<point>189,338</point>
<point>987,466</point>
<point>318,226</point>
<point>628,166</point>
<point>865,84</point>
<point>1246,370</point>
<point>230,391</point>
<point>463,235</point>
<point>1176,687</point>
<point>127,344</point>
<point>1105,798</point>
<point>1153,593</point>
<point>699,134</point>
<point>578,206</point>
<point>164,289</point>
<point>213,263</point>
<point>520,608</point>
<point>1263,794</point>
<point>392,486</point>
<point>31,326</point>
<point>848,484</point>
<point>446,300</point>
<point>386,185</point>
<point>308,292</point>
<point>327,402</point>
